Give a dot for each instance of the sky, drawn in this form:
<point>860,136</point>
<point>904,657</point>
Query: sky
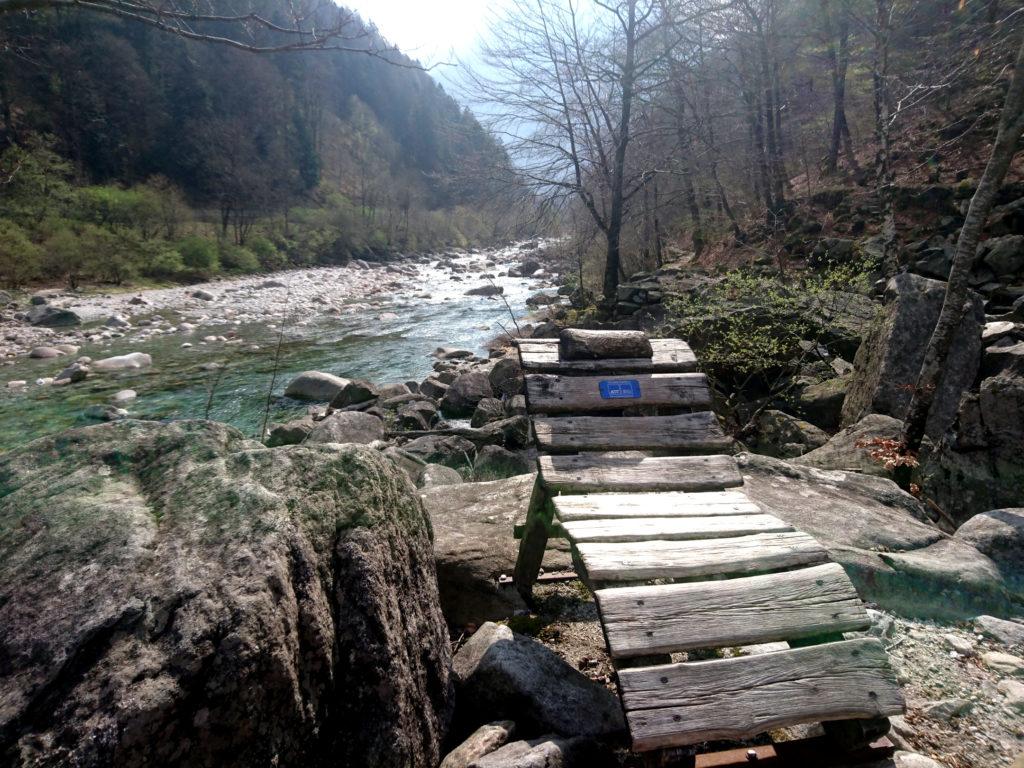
<point>430,30</point>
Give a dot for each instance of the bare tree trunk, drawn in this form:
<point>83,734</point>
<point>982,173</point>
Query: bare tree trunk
<point>883,125</point>
<point>614,231</point>
<point>838,54</point>
<point>1011,127</point>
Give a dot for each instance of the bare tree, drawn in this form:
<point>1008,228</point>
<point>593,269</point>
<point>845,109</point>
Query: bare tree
<point>1011,128</point>
<point>295,26</point>
<point>565,82</point>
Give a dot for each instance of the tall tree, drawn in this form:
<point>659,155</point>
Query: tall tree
<point>1008,137</point>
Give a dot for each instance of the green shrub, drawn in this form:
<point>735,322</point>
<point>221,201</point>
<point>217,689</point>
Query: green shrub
<point>266,252</point>
<point>19,256</point>
<point>235,258</point>
<point>199,254</point>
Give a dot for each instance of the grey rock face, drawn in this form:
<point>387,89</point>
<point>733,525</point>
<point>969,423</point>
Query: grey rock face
<point>438,474</point>
<point>1006,632</point>
<point>1005,255</point>
<point>889,360</point>
<point>347,427</point>
<point>188,597</point>
<point>442,449</point>
<point>493,462</point>
<point>355,392</point>
<point>998,534</point>
<point>498,672</point>
<point>822,404</point>
<point>506,377</point>
<point>462,397</point>
<point>785,436</point>
<point>315,386</point>
<point>474,549</point>
<point>843,452</point>
<point>487,410</point>
<point>483,741</point>
<point>290,433</point>
<point>884,539</point>
<point>548,752</point>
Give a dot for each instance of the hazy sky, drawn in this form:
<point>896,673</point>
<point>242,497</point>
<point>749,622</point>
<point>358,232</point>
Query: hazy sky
<point>430,30</point>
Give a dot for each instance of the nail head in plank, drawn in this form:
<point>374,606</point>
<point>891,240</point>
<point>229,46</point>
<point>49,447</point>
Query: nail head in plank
<point>618,472</point>
<point>791,605</point>
<point>551,393</point>
<point>672,528</point>
<point>759,553</point>
<point>596,506</point>
<point>681,704</point>
<point>685,432</point>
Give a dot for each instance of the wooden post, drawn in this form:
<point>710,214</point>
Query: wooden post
<point>539,518</point>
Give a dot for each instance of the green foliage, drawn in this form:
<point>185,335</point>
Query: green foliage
<point>752,323</point>
<point>199,254</point>
<point>19,256</point>
<point>269,257</point>
<point>235,258</point>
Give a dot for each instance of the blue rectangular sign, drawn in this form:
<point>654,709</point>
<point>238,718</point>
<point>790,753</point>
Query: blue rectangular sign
<point>625,389</point>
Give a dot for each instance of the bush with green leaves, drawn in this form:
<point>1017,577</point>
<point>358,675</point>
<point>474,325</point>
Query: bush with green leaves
<point>236,258</point>
<point>19,256</point>
<point>269,257</point>
<point>199,254</point>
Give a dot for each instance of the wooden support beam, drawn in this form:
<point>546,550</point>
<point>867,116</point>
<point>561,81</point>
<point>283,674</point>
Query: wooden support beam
<point>669,356</point>
<point>595,472</point>
<point>672,528</point>
<point>552,393</point>
<point>597,506</point>
<point>685,433</point>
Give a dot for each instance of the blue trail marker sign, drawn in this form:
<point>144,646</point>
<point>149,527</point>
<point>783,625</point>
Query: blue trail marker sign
<point>621,389</point>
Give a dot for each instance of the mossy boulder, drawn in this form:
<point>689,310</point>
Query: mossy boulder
<point>174,594</point>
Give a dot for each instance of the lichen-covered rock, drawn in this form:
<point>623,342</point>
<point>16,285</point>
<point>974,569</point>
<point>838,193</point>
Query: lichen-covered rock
<point>291,432</point>
<point>851,448</point>
<point>187,597</point>
<point>822,403</point>
<point>785,436</point>
<point>506,377</point>
<point>487,410</point>
<point>889,360</point>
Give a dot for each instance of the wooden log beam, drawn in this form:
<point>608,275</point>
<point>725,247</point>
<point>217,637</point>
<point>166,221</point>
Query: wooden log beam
<point>580,344</point>
<point>548,393</point>
<point>685,433</point>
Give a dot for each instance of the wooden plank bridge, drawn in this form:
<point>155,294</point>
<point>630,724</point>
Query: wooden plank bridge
<point>637,474</point>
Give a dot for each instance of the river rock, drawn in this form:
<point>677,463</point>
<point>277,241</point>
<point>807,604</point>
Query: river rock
<point>73,374</point>
<point>495,462</point>
<point>500,674</point>
<point>549,751</point>
<point>474,549</point>
<point>889,360</point>
<point>883,537</point>
<point>290,433</point>
<point>315,386</point>
<point>389,391</point>
<point>506,377</point>
<point>45,353</point>
<point>214,602</point>
<point>433,388</point>
<point>998,534</point>
<point>843,452</point>
<point>438,474</point>
<point>131,361</point>
<point>465,393</point>
<point>821,403</point>
<point>202,295</point>
<point>355,392</point>
<point>105,412</point>
<point>486,290</point>
<point>449,450</point>
<point>785,436</point>
<point>1003,663</point>
<point>1006,632</point>
<point>49,316</point>
<point>483,741</point>
<point>487,410</point>
<point>347,427</point>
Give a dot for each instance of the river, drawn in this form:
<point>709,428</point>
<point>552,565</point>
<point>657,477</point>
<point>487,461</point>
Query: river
<point>380,324</point>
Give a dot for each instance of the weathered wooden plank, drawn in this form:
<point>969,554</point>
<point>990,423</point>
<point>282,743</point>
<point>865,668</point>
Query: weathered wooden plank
<point>792,605</point>
<point>686,432</point>
<point>670,356</point>
<point>672,528</point>
<point>698,559</point>
<point>633,472</point>
<point>550,393</point>
<point>680,704</point>
<point>596,506</point>
<point>582,344</point>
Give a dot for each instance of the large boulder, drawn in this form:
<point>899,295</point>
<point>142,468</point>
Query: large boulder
<point>315,386</point>
<point>889,360</point>
<point>506,377</point>
<point>347,427</point>
<point>450,450</point>
<point>291,432</point>
<point>462,397</point>
<point>474,547</point>
<point>355,392</point>
<point>49,316</point>
<point>884,538</point>
<point>850,448</point>
<point>187,597</point>
<point>502,674</point>
<point>131,361</point>
<point>999,534</point>
<point>785,436</point>
<point>821,403</point>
